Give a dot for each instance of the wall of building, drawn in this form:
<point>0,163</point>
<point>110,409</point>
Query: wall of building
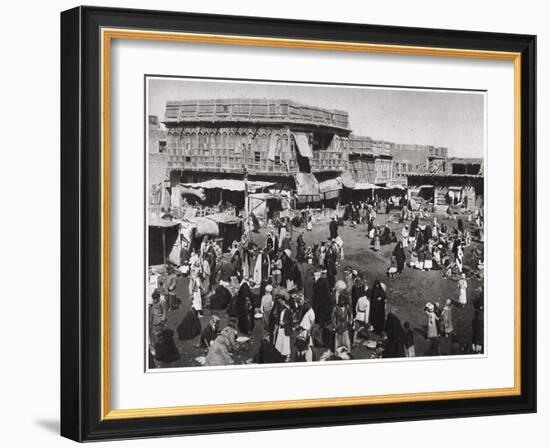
<point>225,149</point>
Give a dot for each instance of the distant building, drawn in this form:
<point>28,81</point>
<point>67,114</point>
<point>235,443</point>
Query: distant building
<point>466,190</point>
<point>464,165</point>
<point>370,160</point>
<point>417,159</point>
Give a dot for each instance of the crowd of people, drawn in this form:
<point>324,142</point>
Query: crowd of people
<point>309,305</point>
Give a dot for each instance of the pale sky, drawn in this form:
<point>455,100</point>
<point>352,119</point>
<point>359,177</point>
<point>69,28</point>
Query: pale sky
<point>454,119</point>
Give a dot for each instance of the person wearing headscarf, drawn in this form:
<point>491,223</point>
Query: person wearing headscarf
<point>385,238</point>
<point>287,273</point>
<point>333,228</point>
<point>266,306</point>
<point>322,300</point>
<point>459,261</point>
<point>158,310</point>
<point>341,320</point>
<point>376,239</point>
<point>205,274</point>
<point>330,266</point>
<point>190,325</point>
<point>245,307</point>
<point>306,325</point>
<point>395,347</point>
<point>400,256</point>
<point>427,233</point>
<point>362,312</point>
<point>461,287</point>
<point>432,332</point>
<point>219,353</point>
<point>269,243</point>
<point>283,327</point>
<point>221,298</point>
<point>237,262</point>
<point>339,290</point>
<point>357,290</point>
<point>300,247</point>
<point>377,316</point>
<point>307,279</point>
<point>210,332</point>
<point>446,318</point>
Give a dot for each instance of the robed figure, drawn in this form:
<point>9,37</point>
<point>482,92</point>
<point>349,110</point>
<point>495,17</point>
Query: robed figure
<point>377,316</point>
<point>322,300</point>
<point>245,308</point>
<point>395,346</point>
<point>400,256</point>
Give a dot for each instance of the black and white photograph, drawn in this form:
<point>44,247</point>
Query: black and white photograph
<point>292,222</point>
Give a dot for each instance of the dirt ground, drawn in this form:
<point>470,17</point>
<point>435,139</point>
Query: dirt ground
<point>407,293</point>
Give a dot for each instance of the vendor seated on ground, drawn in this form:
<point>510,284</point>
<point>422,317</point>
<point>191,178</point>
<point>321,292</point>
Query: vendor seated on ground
<point>210,332</point>
<point>221,349</point>
<point>221,298</point>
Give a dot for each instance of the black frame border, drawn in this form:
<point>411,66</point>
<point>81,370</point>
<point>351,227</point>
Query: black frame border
<point>81,223</point>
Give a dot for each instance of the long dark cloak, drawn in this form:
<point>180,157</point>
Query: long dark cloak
<point>377,314</point>
<point>395,347</point>
<point>190,326</point>
<point>400,256</point>
<point>322,301</point>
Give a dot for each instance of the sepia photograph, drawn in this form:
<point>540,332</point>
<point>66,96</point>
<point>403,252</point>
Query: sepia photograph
<point>294,222</point>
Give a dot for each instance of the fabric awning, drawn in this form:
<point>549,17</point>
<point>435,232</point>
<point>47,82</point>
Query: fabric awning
<point>364,186</point>
<point>306,184</point>
<point>330,185</point>
<point>392,186</point>
<point>330,189</point>
<point>224,218</point>
<point>230,184</point>
<point>302,141</point>
<point>347,179</point>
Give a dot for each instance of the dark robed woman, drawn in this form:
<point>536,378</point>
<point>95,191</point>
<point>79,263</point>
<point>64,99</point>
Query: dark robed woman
<point>395,344</point>
<point>322,300</point>
<point>245,308</point>
<point>190,326</point>
<point>414,226</point>
<point>399,254</point>
<point>377,316</point>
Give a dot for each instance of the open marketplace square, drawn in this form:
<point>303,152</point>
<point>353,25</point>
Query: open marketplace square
<point>292,222</point>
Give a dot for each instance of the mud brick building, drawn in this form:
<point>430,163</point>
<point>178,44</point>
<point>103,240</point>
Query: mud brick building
<point>296,147</point>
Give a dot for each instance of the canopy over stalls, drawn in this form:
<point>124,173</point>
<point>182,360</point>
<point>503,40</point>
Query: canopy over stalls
<point>205,227</point>
<point>264,205</point>
<point>163,240</point>
<point>392,186</point>
<point>230,228</point>
<point>365,186</point>
<point>330,189</point>
<point>180,190</point>
<point>302,141</point>
<point>307,187</point>
<point>230,185</point>
<point>347,180</point>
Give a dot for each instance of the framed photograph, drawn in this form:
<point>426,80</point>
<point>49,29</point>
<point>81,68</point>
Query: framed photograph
<point>276,224</point>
